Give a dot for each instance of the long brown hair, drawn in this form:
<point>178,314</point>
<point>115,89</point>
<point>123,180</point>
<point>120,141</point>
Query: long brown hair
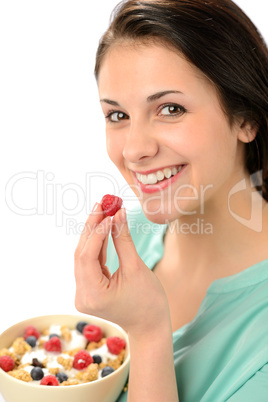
<point>218,38</point>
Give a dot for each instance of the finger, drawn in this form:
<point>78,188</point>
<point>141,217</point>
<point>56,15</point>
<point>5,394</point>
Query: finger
<point>106,272</point>
<point>122,239</point>
<point>93,220</point>
<point>87,267</point>
<point>94,244</point>
<point>103,252</point>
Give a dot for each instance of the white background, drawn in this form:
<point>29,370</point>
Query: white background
<point>52,133</point>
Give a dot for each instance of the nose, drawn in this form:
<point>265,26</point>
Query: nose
<point>140,143</point>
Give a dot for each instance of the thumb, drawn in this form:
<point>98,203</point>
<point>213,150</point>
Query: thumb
<point>122,239</point>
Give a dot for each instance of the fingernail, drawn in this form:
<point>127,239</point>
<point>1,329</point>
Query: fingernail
<point>95,206</point>
<point>123,215</point>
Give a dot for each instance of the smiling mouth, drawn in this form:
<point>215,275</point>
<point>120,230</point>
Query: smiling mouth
<point>159,175</point>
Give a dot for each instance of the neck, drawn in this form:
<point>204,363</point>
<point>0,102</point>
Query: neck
<point>221,241</point>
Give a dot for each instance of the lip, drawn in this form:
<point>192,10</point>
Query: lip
<point>162,185</point>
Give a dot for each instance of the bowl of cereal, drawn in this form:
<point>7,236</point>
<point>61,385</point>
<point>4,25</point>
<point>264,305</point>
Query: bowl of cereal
<point>63,358</point>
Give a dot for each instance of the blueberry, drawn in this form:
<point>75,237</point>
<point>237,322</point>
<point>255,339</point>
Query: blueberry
<point>97,359</point>
<point>37,373</point>
<point>52,335</point>
<point>106,371</point>
<point>62,377</point>
<point>80,326</point>
<point>31,340</point>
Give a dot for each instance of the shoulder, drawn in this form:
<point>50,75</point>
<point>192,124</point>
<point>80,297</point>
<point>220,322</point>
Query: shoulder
<point>147,237</point>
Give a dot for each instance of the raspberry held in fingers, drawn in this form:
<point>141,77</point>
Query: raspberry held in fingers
<point>111,204</point>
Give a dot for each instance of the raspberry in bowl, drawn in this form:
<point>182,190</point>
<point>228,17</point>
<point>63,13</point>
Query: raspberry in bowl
<point>63,358</point>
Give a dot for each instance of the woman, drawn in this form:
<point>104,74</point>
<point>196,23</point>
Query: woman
<point>183,87</point>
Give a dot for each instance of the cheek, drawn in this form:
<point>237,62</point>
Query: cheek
<point>212,149</point>
<point>213,139</point>
<point>114,146</point>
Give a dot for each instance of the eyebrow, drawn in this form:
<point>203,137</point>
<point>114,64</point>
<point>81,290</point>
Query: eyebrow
<point>150,98</point>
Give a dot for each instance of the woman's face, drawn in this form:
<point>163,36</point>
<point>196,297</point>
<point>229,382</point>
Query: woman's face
<point>163,118</point>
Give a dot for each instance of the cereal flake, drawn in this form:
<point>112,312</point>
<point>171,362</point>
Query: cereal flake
<point>96,345</point>
<point>66,333</point>
<point>66,363</point>
<point>21,375</point>
<point>70,381</point>
<point>90,374</point>
<point>20,346</point>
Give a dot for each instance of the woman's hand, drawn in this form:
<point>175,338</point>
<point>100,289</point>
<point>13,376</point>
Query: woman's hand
<point>133,296</point>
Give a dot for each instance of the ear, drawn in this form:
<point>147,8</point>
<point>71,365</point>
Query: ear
<point>248,131</point>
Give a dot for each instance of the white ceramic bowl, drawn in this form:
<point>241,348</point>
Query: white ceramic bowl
<point>106,389</point>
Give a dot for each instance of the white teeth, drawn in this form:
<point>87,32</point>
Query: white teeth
<point>151,178</point>
<point>143,179</point>
<point>167,173</point>
<point>160,175</point>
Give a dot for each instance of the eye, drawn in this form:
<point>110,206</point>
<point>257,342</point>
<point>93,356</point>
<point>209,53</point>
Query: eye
<point>171,110</point>
<point>116,116</point>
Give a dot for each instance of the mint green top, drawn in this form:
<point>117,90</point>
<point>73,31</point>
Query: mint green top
<point>222,354</point>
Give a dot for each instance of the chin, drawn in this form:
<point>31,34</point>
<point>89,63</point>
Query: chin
<point>159,219</point>
<point>159,214</point>
<point>165,214</point>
